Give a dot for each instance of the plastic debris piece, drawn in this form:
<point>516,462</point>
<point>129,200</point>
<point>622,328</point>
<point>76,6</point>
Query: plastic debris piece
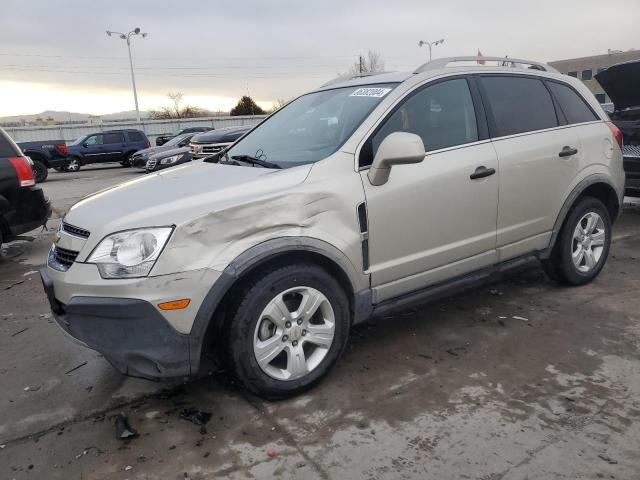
<point>521,318</point>
<point>272,453</point>
<point>128,467</point>
<point>124,431</point>
<point>193,415</point>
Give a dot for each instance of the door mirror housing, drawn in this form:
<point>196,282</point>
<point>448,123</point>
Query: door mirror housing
<point>399,148</point>
<point>85,145</point>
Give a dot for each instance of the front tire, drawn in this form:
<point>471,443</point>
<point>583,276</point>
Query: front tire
<point>74,165</point>
<point>287,329</point>
<point>583,243</point>
<point>40,171</point>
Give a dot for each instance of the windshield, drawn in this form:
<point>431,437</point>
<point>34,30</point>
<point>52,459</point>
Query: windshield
<point>178,139</point>
<point>78,141</point>
<point>310,128</point>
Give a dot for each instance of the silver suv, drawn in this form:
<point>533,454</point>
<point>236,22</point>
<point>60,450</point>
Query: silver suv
<point>363,196</point>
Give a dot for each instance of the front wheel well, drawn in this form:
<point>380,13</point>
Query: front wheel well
<point>220,317</point>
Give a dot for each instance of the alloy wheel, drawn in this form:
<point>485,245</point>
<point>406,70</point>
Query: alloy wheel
<point>294,333</point>
<point>589,238</point>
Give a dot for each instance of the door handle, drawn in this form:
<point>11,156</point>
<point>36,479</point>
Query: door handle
<point>568,152</point>
<point>482,172</point>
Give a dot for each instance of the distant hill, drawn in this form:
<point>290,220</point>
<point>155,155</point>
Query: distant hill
<point>72,116</point>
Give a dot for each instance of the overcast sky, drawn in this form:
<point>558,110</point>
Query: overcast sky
<point>56,55</point>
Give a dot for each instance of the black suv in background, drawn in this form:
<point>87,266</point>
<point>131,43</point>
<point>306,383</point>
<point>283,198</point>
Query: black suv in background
<point>622,84</point>
<point>106,147</point>
<point>165,137</point>
<point>23,206</point>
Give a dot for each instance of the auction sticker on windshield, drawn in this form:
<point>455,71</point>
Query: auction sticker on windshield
<point>370,92</point>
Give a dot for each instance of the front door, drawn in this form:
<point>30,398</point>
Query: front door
<point>434,220</point>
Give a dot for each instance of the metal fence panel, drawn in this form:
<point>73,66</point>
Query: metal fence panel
<point>152,128</point>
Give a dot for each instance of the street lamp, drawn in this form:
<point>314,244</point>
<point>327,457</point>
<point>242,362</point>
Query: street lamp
<point>127,37</point>
<point>422,43</point>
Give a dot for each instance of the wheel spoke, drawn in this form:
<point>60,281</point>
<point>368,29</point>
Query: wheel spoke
<point>269,349</point>
<point>311,301</point>
<point>578,254</point>
<point>598,238</point>
<point>320,335</point>
<point>590,259</point>
<point>277,312</point>
<point>591,223</point>
<point>296,362</point>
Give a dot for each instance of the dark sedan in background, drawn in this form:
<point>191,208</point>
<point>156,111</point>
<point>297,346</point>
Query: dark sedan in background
<point>165,137</point>
<point>622,84</point>
<point>140,158</point>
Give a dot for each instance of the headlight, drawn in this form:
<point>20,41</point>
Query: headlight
<point>130,254</point>
<point>170,160</point>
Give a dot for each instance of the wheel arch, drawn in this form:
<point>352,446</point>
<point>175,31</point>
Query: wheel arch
<point>211,315</point>
<point>597,186</point>
<point>39,156</point>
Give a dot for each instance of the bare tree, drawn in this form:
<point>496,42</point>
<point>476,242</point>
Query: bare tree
<point>278,104</point>
<point>176,110</point>
<point>369,63</point>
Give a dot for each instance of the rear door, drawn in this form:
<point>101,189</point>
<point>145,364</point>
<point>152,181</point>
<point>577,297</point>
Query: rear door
<point>433,220</point>
<point>538,158</point>
<point>114,147</point>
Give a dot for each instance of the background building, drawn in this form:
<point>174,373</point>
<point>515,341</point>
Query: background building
<point>585,68</point>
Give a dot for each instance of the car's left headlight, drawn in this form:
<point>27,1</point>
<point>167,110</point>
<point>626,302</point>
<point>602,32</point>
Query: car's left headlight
<point>131,253</point>
<point>172,159</point>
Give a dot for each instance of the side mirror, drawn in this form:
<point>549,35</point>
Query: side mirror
<point>85,145</point>
<point>399,148</point>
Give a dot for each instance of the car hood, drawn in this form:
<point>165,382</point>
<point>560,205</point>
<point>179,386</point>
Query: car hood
<point>177,195</point>
<point>147,152</point>
<point>168,152</point>
<point>222,135</point>
<point>621,82</point>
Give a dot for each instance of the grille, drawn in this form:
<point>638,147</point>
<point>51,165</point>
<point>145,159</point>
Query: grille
<point>631,150</point>
<point>151,164</point>
<point>62,258</point>
<point>204,150</point>
<point>75,231</point>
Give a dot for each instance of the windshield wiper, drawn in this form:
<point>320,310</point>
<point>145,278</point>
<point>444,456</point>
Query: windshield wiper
<point>255,161</point>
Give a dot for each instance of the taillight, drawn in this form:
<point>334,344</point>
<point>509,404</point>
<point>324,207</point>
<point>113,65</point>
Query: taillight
<point>617,134</point>
<point>62,148</point>
<point>23,170</point>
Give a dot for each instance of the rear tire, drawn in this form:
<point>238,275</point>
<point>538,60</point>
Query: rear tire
<point>74,165</point>
<point>296,346</point>
<point>582,246</point>
<point>40,171</point>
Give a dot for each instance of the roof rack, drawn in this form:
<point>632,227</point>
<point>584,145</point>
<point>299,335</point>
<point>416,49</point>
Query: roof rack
<point>506,62</point>
<point>345,78</point>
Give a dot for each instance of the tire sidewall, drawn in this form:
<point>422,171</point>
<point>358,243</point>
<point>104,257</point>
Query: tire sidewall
<point>246,317</point>
<point>587,205</point>
<point>40,171</point>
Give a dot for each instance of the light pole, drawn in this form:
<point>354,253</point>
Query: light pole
<point>127,37</point>
<point>422,43</point>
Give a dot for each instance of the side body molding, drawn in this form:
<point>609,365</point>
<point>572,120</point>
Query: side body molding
<point>258,254</point>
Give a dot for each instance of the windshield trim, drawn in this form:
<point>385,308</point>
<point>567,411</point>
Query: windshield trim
<point>392,85</point>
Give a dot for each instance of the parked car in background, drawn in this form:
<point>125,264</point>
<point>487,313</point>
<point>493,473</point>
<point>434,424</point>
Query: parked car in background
<point>210,143</point>
<point>165,137</point>
<point>366,195</point>
<point>622,84</point>
<point>45,155</point>
<point>106,147</point>
<point>139,159</point>
<point>23,206</point>
<point>167,158</point>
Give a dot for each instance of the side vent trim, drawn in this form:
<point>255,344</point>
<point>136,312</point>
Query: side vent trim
<point>364,234</point>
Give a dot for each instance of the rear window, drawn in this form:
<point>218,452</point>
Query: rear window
<point>8,148</point>
<point>135,137</point>
<point>518,104</point>
<point>113,138</point>
<point>573,106</point>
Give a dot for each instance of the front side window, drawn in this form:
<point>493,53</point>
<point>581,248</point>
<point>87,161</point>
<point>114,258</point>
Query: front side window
<point>573,106</point>
<point>94,140</point>
<point>518,104</point>
<point>442,115</point>
<point>310,128</point>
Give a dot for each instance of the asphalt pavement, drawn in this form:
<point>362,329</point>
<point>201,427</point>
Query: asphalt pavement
<point>514,380</point>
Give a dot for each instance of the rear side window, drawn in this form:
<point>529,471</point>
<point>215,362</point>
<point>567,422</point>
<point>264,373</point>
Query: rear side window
<point>135,137</point>
<point>113,138</point>
<point>519,105</point>
<point>7,146</point>
<point>575,109</point>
